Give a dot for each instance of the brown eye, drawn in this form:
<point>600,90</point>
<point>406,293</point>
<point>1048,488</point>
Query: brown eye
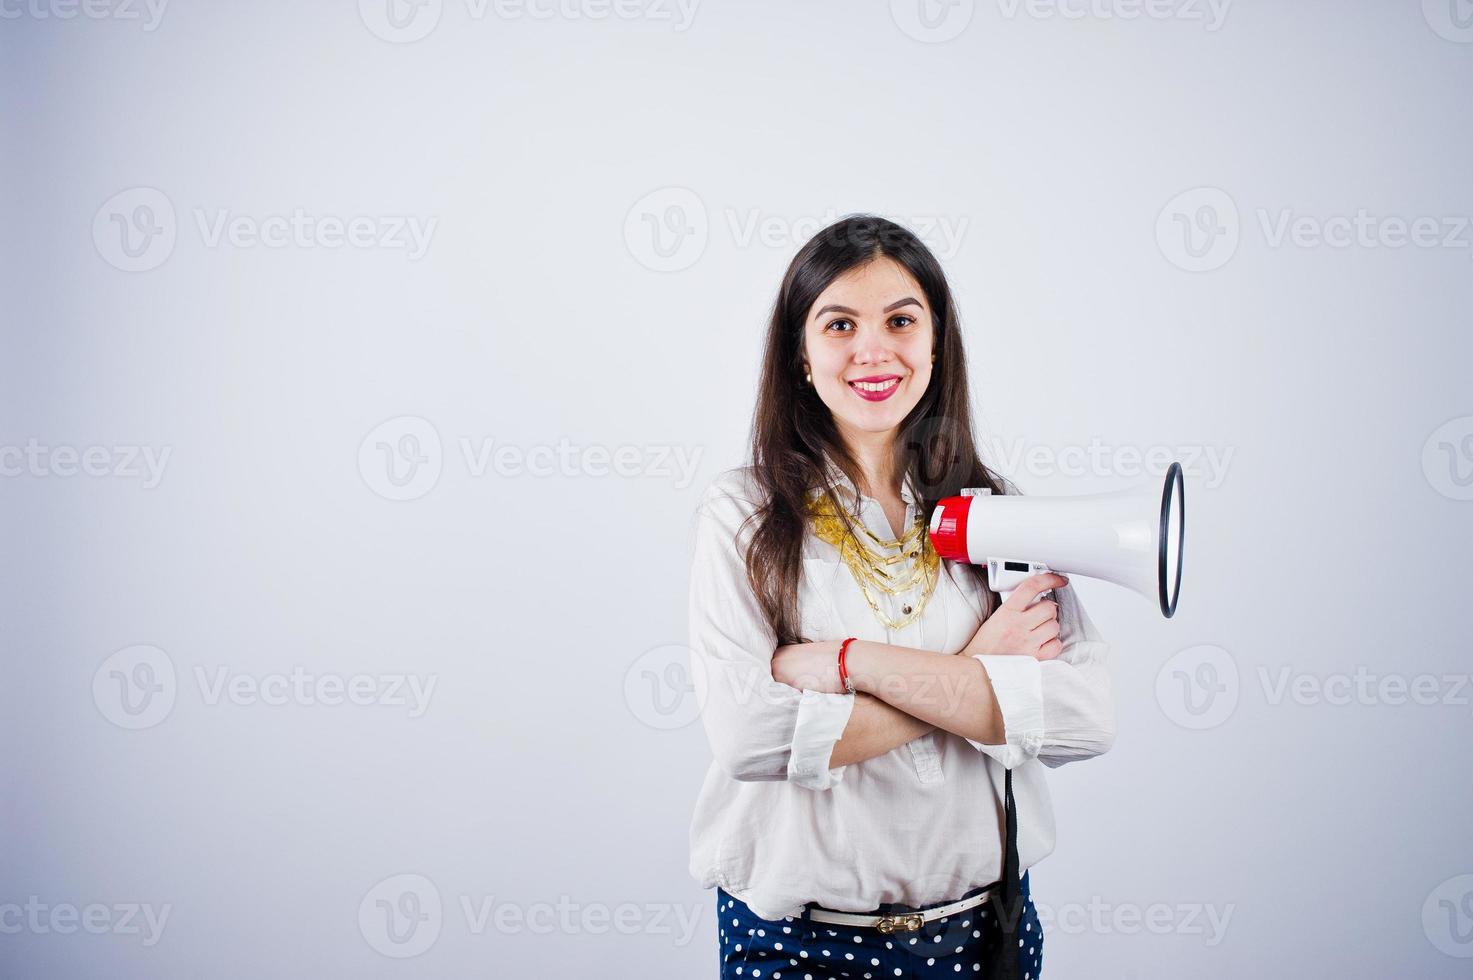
<point>909,320</point>
<point>835,323</point>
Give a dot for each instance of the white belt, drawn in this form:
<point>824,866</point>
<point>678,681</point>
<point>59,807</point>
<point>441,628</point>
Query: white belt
<point>887,924</point>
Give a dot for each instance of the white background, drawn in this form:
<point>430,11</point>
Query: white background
<point>1050,155</point>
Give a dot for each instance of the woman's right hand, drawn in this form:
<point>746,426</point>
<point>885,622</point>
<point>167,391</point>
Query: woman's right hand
<point>1017,628</point>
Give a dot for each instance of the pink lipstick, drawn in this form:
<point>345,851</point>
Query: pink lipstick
<point>875,388</point>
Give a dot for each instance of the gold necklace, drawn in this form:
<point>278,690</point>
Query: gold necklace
<point>870,563</point>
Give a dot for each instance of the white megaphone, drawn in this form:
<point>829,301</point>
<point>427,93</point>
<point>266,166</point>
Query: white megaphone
<point>1130,537</point>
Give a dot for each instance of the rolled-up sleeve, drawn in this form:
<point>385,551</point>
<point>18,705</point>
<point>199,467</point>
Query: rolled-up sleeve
<point>759,728</point>
<point>1059,710</point>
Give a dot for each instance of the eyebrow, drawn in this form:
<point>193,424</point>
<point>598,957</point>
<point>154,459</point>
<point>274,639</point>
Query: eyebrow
<point>836,308</point>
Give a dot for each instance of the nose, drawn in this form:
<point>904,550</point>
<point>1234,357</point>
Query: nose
<point>873,347</point>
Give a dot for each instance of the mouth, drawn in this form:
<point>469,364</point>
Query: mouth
<point>876,388</point>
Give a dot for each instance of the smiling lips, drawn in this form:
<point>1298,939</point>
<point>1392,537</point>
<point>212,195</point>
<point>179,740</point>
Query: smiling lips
<point>876,388</point>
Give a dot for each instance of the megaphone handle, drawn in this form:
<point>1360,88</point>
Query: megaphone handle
<point>1005,575</point>
<point>1046,593</point>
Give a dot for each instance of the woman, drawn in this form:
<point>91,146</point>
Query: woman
<point>880,723</point>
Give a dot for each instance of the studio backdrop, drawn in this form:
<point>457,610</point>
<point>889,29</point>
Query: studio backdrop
<point>364,364</point>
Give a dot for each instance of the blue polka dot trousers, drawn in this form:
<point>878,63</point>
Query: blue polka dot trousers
<point>961,945</point>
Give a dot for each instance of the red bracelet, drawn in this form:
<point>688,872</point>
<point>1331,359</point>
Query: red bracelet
<point>844,680</point>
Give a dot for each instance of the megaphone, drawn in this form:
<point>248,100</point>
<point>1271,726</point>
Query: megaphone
<point>1130,537</point>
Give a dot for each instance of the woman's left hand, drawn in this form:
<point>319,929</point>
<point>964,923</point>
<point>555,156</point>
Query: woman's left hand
<point>808,666</point>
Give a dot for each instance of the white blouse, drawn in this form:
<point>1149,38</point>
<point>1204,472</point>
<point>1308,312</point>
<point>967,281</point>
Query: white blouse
<point>776,826</point>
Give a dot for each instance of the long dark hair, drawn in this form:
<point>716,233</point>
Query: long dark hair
<point>792,429</point>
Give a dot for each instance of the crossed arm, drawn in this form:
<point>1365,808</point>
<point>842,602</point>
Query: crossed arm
<point>903,694</point>
<point>875,728</point>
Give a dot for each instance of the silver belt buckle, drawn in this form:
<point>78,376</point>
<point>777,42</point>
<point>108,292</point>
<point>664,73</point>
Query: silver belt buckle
<point>900,923</point>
